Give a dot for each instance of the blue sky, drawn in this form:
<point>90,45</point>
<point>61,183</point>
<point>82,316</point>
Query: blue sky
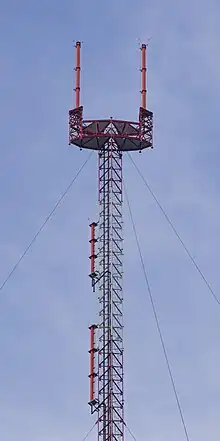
<point>47,305</point>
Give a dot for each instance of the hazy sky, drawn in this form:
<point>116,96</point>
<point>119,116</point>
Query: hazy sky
<point>47,306</point>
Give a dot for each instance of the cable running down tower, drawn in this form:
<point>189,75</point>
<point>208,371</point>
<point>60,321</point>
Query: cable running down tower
<point>110,138</point>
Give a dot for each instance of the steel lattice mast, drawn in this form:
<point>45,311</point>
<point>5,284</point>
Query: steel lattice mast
<point>110,138</point>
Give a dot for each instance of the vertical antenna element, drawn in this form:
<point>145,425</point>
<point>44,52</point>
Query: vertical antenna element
<point>93,255</point>
<point>77,69</point>
<point>143,77</point>
<point>92,373</point>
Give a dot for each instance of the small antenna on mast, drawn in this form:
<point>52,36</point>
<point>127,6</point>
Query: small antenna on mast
<point>77,69</point>
<point>143,77</point>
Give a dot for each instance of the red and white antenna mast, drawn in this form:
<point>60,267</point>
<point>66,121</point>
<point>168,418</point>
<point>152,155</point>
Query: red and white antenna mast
<point>110,138</point>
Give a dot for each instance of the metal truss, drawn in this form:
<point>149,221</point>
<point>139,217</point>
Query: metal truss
<point>110,251</point>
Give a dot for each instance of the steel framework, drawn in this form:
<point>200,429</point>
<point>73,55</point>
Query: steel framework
<point>110,377</point>
<point>110,138</point>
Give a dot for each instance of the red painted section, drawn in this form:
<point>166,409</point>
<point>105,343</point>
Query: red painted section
<point>77,90</point>
<point>92,248</point>
<point>143,76</point>
<point>92,363</point>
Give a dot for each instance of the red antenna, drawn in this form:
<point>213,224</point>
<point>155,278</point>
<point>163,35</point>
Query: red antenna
<point>110,138</point>
<point>77,69</point>
<point>143,76</point>
<point>92,373</point>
